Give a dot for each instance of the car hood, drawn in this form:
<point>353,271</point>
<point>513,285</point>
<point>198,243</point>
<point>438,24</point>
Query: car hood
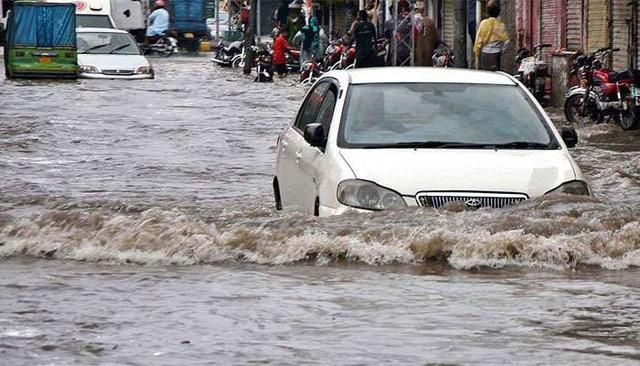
<point>409,171</point>
<point>113,62</point>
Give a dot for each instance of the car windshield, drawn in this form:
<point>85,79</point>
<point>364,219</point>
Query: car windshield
<point>442,115</point>
<point>93,21</point>
<point>107,43</point>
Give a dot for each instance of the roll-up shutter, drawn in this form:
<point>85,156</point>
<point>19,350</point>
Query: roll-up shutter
<point>597,25</point>
<point>447,21</point>
<point>636,22</point>
<point>574,25</point>
<point>622,17</point>
<point>551,18</point>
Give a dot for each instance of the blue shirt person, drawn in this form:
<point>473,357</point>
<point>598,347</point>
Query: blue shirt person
<point>158,21</point>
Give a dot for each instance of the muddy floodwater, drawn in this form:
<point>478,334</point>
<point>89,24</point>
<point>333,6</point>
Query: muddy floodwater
<point>137,228</point>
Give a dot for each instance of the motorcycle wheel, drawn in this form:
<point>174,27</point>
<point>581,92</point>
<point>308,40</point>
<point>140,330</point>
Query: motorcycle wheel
<point>573,111</point>
<point>237,62</point>
<point>628,120</point>
<point>166,52</point>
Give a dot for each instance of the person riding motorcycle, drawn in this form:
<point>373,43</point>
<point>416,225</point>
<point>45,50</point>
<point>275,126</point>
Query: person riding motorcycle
<point>158,22</point>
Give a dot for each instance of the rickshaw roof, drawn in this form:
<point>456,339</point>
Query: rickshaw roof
<point>37,24</point>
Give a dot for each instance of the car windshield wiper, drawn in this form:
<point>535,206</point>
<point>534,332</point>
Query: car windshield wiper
<point>94,48</point>
<point>119,48</point>
<point>430,145</point>
<point>516,145</point>
<point>525,145</point>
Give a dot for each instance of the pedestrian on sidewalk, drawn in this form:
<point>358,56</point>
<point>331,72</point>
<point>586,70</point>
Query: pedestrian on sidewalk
<point>365,38</point>
<point>492,40</point>
<point>295,21</point>
<point>310,41</point>
<point>399,28</point>
<point>425,35</point>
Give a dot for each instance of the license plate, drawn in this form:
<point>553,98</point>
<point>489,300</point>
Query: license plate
<point>188,35</point>
<point>45,60</point>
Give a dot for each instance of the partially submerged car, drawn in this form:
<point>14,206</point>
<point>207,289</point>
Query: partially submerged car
<point>388,138</point>
<point>105,53</point>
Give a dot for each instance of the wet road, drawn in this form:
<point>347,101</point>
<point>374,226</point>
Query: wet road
<point>136,227</point>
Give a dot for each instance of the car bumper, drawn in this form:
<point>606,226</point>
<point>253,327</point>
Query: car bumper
<point>119,77</point>
<point>342,209</point>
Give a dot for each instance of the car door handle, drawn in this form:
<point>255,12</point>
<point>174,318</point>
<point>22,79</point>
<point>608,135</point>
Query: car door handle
<point>298,156</point>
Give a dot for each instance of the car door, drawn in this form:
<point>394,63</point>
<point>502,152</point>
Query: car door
<point>290,147</point>
<point>310,157</point>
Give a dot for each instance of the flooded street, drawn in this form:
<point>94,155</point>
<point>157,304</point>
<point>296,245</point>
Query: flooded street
<point>137,228</point>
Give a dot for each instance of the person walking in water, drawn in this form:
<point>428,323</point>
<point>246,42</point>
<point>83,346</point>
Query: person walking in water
<point>280,49</point>
<point>491,40</point>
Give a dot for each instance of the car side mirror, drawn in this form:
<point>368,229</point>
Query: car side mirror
<point>314,135</point>
<point>569,136</point>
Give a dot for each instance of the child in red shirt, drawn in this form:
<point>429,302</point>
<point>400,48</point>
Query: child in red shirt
<point>280,48</point>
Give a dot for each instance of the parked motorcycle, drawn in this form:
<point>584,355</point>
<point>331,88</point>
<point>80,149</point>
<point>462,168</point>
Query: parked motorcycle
<point>225,53</point>
<point>533,71</point>
<point>603,93</point>
<point>163,46</point>
<point>310,72</point>
<point>333,55</point>
<point>443,56</point>
<point>263,63</point>
<point>348,58</point>
<point>293,61</point>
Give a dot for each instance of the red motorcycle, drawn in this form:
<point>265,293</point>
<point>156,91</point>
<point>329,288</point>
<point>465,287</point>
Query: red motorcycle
<point>309,72</point>
<point>348,58</point>
<point>603,93</point>
<point>333,55</point>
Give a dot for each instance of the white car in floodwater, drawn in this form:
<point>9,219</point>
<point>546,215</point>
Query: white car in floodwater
<point>388,138</point>
<point>105,53</point>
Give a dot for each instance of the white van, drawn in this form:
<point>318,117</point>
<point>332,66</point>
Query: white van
<point>129,15</point>
<point>3,20</point>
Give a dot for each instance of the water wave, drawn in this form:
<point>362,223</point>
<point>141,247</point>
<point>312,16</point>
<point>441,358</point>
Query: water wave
<point>556,232</point>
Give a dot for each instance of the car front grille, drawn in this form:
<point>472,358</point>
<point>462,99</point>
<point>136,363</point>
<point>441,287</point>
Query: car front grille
<point>117,72</point>
<point>471,200</point>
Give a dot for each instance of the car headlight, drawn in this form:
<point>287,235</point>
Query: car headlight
<point>144,70</point>
<point>368,195</point>
<point>89,69</point>
<point>576,187</point>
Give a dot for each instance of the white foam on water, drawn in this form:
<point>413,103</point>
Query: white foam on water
<point>555,233</point>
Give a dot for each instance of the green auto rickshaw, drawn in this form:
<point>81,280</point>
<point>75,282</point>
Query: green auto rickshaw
<point>41,41</point>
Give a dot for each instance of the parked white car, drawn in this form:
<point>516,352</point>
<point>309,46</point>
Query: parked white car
<point>388,138</point>
<point>110,54</point>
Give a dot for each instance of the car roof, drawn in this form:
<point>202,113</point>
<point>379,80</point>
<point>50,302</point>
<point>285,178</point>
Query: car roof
<point>382,75</point>
<point>100,30</point>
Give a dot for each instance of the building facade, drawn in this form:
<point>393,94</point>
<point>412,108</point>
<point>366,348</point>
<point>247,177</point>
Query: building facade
<point>582,25</point>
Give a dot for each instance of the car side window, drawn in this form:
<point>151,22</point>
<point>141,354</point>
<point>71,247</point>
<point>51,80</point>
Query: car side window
<point>325,113</point>
<point>309,109</point>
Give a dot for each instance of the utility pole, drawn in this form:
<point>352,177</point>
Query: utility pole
<point>250,39</point>
<point>460,33</point>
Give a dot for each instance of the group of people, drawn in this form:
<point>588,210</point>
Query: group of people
<point>364,28</point>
